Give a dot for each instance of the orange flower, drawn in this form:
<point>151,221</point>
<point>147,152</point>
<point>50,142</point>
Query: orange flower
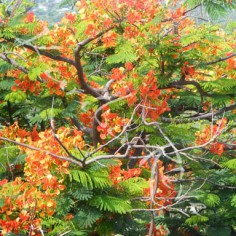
<point>30,17</point>
<point>71,17</point>
<point>2,182</point>
<point>129,66</point>
<point>117,74</point>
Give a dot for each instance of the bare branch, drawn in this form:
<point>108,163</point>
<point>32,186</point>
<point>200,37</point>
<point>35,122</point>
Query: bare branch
<point>220,59</point>
<point>202,179</point>
<point>81,44</point>
<point>13,62</point>
<point>192,9</point>
<point>191,82</point>
<point>121,133</point>
<point>81,127</point>
<point>200,117</point>
<point>18,3</point>
<point>84,85</point>
<point>49,54</point>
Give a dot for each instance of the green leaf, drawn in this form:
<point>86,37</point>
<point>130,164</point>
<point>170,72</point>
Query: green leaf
<point>6,84</point>
<point>196,219</point>
<point>124,53</point>
<point>100,179</point>
<point>82,194</point>
<point>4,66</point>
<point>85,218</point>
<point>111,203</point>
<point>211,200</point>
<point>92,179</point>
<point>135,185</point>
<point>82,177</point>
<point>233,201</point>
<point>231,164</point>
<point>2,202</point>
<point>34,72</point>
<point>16,97</point>
<point>50,112</point>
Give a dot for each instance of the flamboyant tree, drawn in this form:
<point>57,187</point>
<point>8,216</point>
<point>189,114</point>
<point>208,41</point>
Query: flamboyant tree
<point>119,119</point>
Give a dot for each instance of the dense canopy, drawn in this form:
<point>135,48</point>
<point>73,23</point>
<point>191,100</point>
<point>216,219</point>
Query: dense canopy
<point>118,120</point>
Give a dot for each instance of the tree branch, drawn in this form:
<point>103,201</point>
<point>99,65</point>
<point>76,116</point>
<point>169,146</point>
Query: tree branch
<point>84,85</point>
<point>201,117</point>
<point>18,3</point>
<point>88,40</point>
<point>220,59</point>
<point>191,82</point>
<point>81,127</point>
<point>13,62</point>
<point>192,9</point>
<point>202,179</point>
<point>92,91</point>
<point>49,55</point>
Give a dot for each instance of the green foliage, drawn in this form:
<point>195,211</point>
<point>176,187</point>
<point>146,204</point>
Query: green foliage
<point>219,231</point>
<point>195,219</point>
<point>59,226</point>
<point>34,72</point>
<point>86,217</point>
<point>210,200</point>
<point>214,8</point>
<point>124,53</point>
<point>81,193</point>
<point>50,113</point>
<point>233,201</point>
<point>111,203</point>
<point>92,179</point>
<point>231,164</point>
<point>134,186</point>
<point>16,97</point>
<point>4,67</point>
<point>6,84</point>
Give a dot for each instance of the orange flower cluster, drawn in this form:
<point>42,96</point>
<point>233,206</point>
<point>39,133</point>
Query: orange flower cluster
<point>158,231</point>
<point>154,103</point>
<point>70,17</point>
<point>111,124</point>
<point>87,118</point>
<point>27,202</point>
<point>27,85</point>
<point>54,87</point>
<point>136,13</point>
<point>211,132</point>
<point>165,191</point>
<point>117,74</point>
<point>118,175</point>
<point>188,70</point>
<point>231,62</point>
<point>109,39</point>
<point>24,206</point>
<point>30,17</point>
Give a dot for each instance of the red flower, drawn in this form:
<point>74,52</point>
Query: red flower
<point>30,17</point>
<point>71,17</point>
<point>2,182</point>
<point>129,66</point>
<point>116,74</point>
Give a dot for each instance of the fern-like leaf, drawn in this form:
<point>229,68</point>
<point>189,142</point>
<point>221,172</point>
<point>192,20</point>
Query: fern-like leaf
<point>196,219</point>
<point>111,203</point>
<point>85,218</point>
<point>231,164</point>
